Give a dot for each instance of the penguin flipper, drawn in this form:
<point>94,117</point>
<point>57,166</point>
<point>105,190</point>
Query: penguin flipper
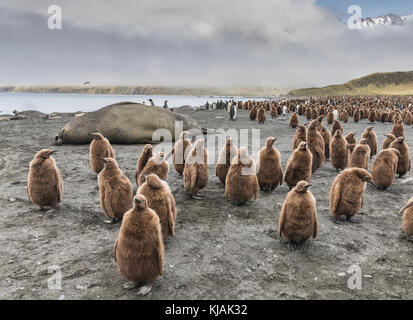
<point>315,231</point>
<point>336,197</point>
<point>114,249</point>
<point>171,221</point>
<point>59,184</point>
<point>281,222</point>
<point>193,171</point>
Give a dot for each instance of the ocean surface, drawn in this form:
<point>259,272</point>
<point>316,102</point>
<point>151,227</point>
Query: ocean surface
<point>48,103</point>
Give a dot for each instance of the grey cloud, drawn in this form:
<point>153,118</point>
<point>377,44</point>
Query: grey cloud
<point>281,43</point>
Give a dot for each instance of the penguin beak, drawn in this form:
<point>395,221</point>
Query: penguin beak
<point>103,159</point>
<point>52,152</point>
<point>372,183</point>
<point>308,185</point>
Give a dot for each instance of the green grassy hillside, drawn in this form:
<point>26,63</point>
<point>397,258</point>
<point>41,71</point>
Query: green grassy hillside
<point>389,83</point>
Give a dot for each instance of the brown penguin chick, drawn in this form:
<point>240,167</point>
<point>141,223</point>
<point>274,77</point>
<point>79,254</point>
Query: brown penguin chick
<point>299,166</point>
<point>389,139</point>
<point>228,153</point>
<point>314,114</point>
<point>44,183</point>
<point>279,109</point>
<point>294,120</point>
<point>316,145</point>
<point>351,140</point>
<point>327,140</point>
<point>319,124</point>
<point>372,116</point>
<point>346,193</point>
<point>241,184</point>
<point>356,116</point>
<point>336,126</point>
<point>270,173</point>
<point>308,113</point>
<point>398,129</point>
<point>196,169</point>
<point>157,165</point>
<point>339,151</point>
<point>407,222</point>
<point>371,138</point>
<point>298,217</point>
<point>384,168</point>
<point>360,156</point>
<point>143,159</point>
<point>116,192</point>
<point>343,116</point>
<point>404,164</point>
<point>262,115</point>
<point>330,117</point>
<point>300,136</point>
<point>180,152</point>
<point>160,199</point>
<point>408,118</point>
<point>139,248</point>
<point>253,113</point>
<point>274,113</point>
<point>99,148</point>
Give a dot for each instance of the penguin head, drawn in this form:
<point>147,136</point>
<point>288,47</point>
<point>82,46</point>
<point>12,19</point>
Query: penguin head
<point>302,145</point>
<point>363,141</point>
<point>140,201</point>
<point>159,158</point>
<point>351,134</point>
<point>109,162</point>
<point>270,142</point>
<point>302,186</point>
<point>154,181</point>
<point>96,136</point>
<point>183,135</point>
<point>302,128</point>
<point>229,141</point>
<point>45,154</point>
<point>199,143</point>
<point>400,140</point>
<point>243,157</point>
<point>338,133</point>
<point>362,174</point>
<point>147,149</point>
<point>368,129</point>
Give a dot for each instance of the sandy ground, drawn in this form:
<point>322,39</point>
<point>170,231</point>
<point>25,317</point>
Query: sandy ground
<point>220,251</point>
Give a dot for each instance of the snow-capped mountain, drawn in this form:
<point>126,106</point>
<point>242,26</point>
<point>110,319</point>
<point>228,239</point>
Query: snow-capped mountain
<point>387,20</point>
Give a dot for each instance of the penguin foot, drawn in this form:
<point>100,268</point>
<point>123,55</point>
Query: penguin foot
<point>293,246</point>
<point>410,239</point>
<point>130,285</point>
<point>196,197</point>
<point>111,221</point>
<point>336,221</point>
<point>350,219</point>
<point>143,291</point>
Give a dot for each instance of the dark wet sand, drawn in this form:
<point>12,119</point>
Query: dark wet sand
<point>219,252</point>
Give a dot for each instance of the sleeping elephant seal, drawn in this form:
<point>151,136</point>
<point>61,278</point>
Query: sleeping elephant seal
<point>123,123</point>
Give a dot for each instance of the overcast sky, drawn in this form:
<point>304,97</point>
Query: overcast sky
<point>278,43</point>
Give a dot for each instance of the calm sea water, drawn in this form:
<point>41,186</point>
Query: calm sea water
<point>48,103</point>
